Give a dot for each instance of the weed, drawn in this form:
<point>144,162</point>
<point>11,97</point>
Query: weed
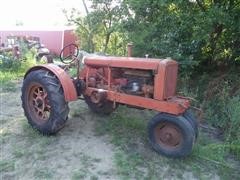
<point>104,173</point>
<point>11,69</point>
<point>18,152</point>
<point>77,109</point>
<point>4,135</point>
<point>124,127</point>
<point>79,174</point>
<point>134,161</point>
<point>4,132</point>
<point>76,113</point>
<point>8,86</point>
<point>93,177</point>
<point>219,97</point>
<point>86,161</point>
<point>29,131</point>
<point>7,165</point>
<point>43,173</point>
<point>97,160</point>
<point>3,121</point>
<point>129,165</point>
<point>73,72</point>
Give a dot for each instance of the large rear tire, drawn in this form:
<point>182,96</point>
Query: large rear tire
<point>43,102</point>
<point>172,136</point>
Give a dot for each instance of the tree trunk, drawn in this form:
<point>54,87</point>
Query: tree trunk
<point>85,7</point>
<point>214,36</point>
<point>107,38</point>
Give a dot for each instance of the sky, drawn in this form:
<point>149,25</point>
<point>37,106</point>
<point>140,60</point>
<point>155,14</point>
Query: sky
<point>40,13</point>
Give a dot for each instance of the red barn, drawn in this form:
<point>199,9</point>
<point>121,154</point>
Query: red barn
<point>53,38</point>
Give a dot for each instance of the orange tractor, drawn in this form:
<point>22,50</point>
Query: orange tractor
<point>106,82</point>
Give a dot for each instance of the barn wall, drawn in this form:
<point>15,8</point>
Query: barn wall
<point>69,37</point>
<point>53,40</point>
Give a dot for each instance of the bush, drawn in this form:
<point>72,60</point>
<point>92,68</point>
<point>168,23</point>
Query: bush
<point>7,62</point>
<point>11,68</point>
<point>218,95</point>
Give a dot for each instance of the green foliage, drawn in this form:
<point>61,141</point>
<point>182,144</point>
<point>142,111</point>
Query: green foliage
<point>203,34</point>
<point>80,174</point>
<point>128,165</point>
<point>194,33</point>
<point>43,173</point>
<point>12,68</point>
<point>224,112</point>
<point>98,31</point>
<point>118,123</point>
<point>7,61</point>
<point>218,95</point>
<point>7,166</point>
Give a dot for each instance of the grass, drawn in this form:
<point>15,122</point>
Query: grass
<point>7,81</point>
<point>43,173</point>
<point>7,166</point>
<point>18,152</point>
<point>87,163</point>
<point>133,159</point>
<point>4,135</point>
<point>128,165</point>
<point>14,72</point>
<point>80,174</point>
<point>136,160</point>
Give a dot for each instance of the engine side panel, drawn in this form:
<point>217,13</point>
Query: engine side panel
<point>153,78</point>
<point>165,80</point>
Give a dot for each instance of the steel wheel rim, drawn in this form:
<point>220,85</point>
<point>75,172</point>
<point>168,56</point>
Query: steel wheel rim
<point>38,103</point>
<point>168,135</point>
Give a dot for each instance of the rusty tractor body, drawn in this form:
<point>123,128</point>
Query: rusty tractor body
<point>105,83</point>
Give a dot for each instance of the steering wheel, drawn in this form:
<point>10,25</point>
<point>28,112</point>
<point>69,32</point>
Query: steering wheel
<point>69,53</point>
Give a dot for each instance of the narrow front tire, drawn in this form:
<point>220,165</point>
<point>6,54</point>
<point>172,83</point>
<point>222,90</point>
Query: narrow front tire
<point>170,135</point>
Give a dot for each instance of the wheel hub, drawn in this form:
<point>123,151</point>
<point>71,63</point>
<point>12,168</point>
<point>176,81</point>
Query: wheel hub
<point>168,135</point>
<point>39,103</point>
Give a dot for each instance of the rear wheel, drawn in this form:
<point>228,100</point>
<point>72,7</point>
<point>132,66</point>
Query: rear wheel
<point>43,102</point>
<point>105,107</point>
<point>170,135</point>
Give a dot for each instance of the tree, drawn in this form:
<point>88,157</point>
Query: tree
<point>85,29</point>
<point>96,29</point>
<point>197,33</point>
<point>108,13</point>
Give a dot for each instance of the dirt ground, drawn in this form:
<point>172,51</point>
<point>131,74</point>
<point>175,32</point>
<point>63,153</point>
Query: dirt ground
<point>76,152</point>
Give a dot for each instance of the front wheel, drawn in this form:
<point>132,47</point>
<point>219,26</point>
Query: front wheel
<point>172,136</point>
<point>43,102</point>
<point>192,120</point>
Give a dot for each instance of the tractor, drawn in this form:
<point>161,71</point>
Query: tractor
<point>104,83</point>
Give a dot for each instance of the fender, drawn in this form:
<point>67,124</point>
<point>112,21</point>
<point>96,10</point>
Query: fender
<point>69,89</point>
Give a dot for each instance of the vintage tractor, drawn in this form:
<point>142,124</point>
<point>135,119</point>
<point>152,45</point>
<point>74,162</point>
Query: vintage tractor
<point>105,83</point>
